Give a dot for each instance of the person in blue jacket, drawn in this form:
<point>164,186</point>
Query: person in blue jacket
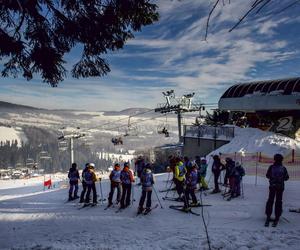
<point>115,183</point>
<point>73,176</point>
<point>147,181</point>
<point>191,180</point>
<point>277,175</point>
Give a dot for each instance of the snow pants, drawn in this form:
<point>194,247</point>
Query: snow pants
<point>73,186</point>
<point>91,187</point>
<point>203,183</point>
<point>113,186</point>
<point>278,192</point>
<point>84,187</point>
<point>143,197</point>
<point>179,186</point>
<point>126,193</point>
<point>216,180</point>
<point>187,193</point>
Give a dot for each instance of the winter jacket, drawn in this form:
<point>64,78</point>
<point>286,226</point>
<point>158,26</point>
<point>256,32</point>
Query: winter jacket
<point>191,179</point>
<point>202,169</point>
<point>180,171</point>
<point>217,166</point>
<point>230,168</point>
<point>115,175</point>
<point>73,175</point>
<point>277,175</point>
<point>239,172</point>
<point>147,179</point>
<point>126,176</point>
<point>89,177</point>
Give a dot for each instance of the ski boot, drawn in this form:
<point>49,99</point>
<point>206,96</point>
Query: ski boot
<point>275,222</point>
<point>267,223</point>
<point>70,198</point>
<point>195,204</point>
<point>186,209</point>
<point>140,210</point>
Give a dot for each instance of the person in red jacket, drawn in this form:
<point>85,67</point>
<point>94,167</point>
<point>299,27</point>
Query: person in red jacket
<point>126,179</point>
<point>115,183</point>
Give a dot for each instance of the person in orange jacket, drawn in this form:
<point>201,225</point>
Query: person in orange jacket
<point>126,178</point>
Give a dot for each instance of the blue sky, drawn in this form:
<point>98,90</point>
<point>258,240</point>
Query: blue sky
<point>172,54</point>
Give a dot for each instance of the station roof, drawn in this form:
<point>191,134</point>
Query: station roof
<point>272,87</point>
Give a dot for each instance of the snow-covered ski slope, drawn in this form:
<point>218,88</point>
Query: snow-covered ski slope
<point>42,220</point>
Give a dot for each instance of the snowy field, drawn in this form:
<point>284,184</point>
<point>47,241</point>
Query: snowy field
<point>42,220</point>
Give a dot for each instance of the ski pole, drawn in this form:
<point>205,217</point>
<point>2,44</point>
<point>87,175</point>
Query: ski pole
<point>169,189</point>
<point>132,194</point>
<point>101,193</point>
<point>168,180</point>
<point>157,197</point>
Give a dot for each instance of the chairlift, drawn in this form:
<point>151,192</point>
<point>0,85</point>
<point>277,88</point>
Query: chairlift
<point>117,141</point>
<point>29,162</point>
<point>163,128</point>
<point>132,129</point>
<point>62,145</point>
<point>44,155</point>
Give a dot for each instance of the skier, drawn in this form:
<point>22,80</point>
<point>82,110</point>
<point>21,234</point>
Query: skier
<point>187,163</point>
<point>90,178</point>
<point>139,167</point>
<point>115,182</point>
<point>229,165</point>
<point>179,177</point>
<point>202,174</point>
<point>191,179</point>
<point>216,168</point>
<point>230,175</point>
<point>277,175</point>
<point>73,176</point>
<point>84,187</point>
<point>239,172</point>
<point>126,178</point>
<point>147,181</point>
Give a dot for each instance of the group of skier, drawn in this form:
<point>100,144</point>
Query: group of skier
<point>187,174</point>
<point>234,173</point>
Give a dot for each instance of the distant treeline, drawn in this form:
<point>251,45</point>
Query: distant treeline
<point>42,148</point>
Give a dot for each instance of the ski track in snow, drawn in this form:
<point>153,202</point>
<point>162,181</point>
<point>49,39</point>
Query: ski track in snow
<point>45,221</point>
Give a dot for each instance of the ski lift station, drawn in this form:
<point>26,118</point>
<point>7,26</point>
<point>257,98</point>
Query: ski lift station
<point>272,105</point>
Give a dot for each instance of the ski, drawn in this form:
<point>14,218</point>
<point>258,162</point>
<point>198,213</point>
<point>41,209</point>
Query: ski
<point>109,206</point>
<point>180,209</point>
<point>149,210</point>
<point>199,205</point>
<point>295,210</point>
<point>85,205</point>
<point>171,199</point>
<point>167,190</point>
<point>119,210</point>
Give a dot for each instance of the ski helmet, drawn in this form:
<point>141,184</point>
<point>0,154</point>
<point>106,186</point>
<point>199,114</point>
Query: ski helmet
<point>278,158</point>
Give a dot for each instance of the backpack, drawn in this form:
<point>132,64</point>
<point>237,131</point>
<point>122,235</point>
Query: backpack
<point>88,177</point>
<point>182,170</point>
<point>147,178</point>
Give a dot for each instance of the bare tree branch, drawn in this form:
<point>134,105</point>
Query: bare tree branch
<point>208,18</point>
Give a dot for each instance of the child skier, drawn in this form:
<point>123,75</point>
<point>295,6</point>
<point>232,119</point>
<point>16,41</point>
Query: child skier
<point>73,176</point>
<point>115,183</point>
<point>126,179</point>
<point>147,181</point>
<point>84,187</point>
<point>202,174</point>
<point>277,175</point>
<point>90,179</point>
<point>191,180</point>
<point>239,172</point>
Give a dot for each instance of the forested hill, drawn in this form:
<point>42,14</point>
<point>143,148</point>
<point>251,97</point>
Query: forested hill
<point>8,105</point>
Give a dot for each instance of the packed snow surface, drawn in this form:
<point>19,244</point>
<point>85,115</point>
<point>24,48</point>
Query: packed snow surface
<point>38,219</point>
<point>253,140</point>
